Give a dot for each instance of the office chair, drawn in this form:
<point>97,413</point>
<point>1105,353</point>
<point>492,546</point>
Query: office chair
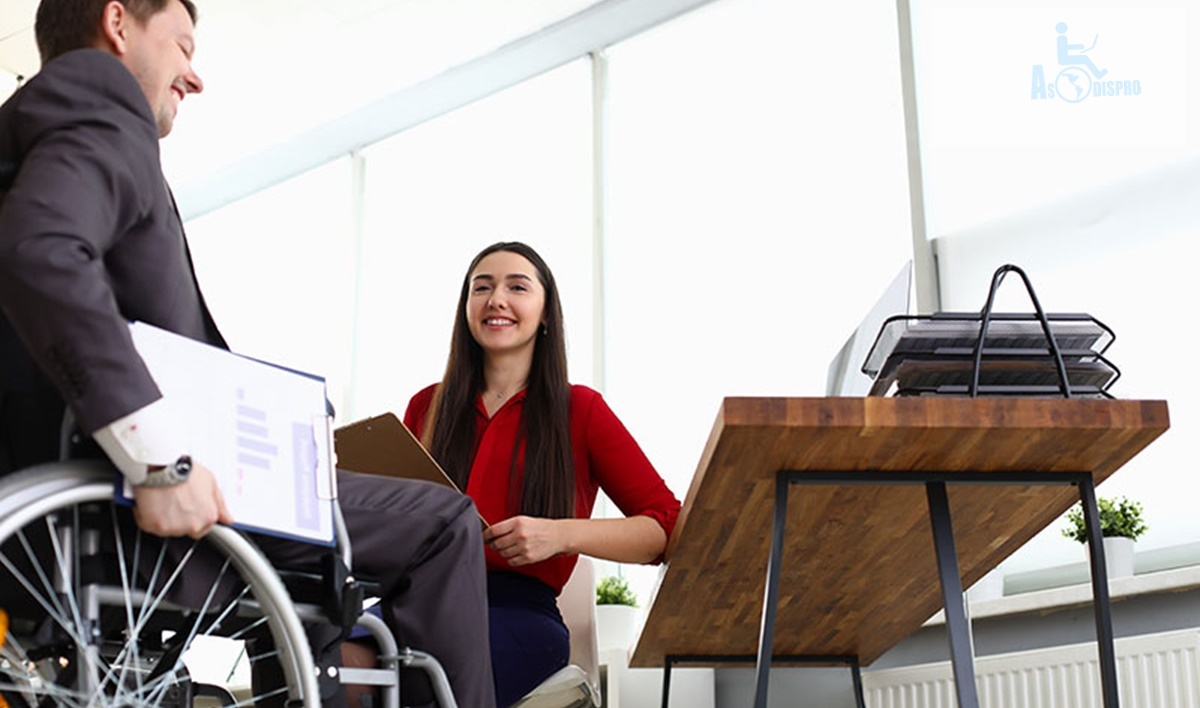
<point>576,685</point>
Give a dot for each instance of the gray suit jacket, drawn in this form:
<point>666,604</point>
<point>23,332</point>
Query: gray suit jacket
<point>89,240</point>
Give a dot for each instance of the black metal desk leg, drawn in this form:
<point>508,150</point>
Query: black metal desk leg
<point>668,661</point>
<point>766,633</point>
<point>1100,598</point>
<point>952,596</point>
<point>860,701</point>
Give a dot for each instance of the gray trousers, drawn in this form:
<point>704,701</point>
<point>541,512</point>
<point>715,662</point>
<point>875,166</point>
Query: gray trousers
<point>422,543</point>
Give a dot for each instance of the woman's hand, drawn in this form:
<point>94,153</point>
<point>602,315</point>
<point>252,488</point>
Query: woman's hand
<point>522,540</point>
<point>525,539</point>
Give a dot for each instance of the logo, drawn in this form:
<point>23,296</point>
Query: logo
<point>1078,77</point>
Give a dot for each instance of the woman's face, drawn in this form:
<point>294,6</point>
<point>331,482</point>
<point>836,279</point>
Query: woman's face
<point>505,303</point>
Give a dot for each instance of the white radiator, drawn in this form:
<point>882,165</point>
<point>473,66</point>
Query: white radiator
<point>1153,671</point>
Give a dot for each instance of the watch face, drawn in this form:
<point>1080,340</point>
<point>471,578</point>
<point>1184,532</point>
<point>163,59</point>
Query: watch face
<point>175,473</point>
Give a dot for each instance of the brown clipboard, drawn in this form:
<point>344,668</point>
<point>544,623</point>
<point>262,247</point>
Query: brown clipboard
<point>383,445</point>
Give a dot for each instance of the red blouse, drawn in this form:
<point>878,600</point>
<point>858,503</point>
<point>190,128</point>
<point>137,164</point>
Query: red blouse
<point>606,457</point>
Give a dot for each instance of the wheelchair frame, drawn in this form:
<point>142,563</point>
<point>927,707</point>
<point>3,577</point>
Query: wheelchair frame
<point>40,495</point>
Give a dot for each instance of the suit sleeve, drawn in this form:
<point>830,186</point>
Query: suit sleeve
<point>90,148</point>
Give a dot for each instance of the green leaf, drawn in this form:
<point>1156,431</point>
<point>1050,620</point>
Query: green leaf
<point>1118,517</point>
<point>613,590</point>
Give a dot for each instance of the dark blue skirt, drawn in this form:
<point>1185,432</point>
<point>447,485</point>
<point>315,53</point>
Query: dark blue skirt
<point>529,641</point>
<point>528,637</point>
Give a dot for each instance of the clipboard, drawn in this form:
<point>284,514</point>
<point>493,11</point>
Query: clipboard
<point>262,429</point>
<point>383,445</point>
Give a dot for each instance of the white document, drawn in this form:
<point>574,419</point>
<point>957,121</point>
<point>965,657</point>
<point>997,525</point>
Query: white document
<point>263,430</point>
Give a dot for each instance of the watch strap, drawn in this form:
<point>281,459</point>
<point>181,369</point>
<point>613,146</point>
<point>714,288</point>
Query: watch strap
<point>175,473</point>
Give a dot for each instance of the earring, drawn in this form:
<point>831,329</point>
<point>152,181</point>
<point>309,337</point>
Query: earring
<point>544,329</point>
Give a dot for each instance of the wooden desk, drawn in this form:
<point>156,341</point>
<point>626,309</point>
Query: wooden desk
<point>858,570</point>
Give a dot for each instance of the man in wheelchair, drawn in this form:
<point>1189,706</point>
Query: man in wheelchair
<point>90,240</point>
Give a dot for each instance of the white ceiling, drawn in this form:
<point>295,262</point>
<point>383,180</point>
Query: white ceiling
<point>290,83</point>
<point>18,54</point>
<point>274,69</point>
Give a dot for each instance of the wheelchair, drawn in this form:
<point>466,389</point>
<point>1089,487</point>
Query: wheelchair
<point>93,612</point>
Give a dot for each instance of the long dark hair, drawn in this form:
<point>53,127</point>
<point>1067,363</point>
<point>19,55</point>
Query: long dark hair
<point>547,487</point>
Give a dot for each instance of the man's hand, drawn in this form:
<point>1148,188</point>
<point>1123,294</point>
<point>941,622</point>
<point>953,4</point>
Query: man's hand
<point>187,509</point>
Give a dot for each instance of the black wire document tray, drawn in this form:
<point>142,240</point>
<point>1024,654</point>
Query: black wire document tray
<point>935,355</point>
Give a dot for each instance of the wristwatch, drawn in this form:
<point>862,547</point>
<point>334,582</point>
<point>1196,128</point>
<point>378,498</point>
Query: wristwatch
<point>174,473</point>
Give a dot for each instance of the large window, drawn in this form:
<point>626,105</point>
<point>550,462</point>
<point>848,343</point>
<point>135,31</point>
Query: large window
<point>759,207</point>
<point>756,204</point>
<point>1022,106</point>
<point>277,272</point>
<point>515,166</point>
<point>1059,140</point>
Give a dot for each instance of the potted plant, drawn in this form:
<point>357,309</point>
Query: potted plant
<point>616,613</point>
<point>1121,524</point>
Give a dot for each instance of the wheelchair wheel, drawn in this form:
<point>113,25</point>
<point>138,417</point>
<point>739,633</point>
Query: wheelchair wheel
<point>100,614</point>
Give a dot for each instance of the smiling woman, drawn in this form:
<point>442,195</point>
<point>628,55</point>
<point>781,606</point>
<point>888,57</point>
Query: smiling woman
<point>533,451</point>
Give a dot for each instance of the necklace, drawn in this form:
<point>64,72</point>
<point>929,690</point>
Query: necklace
<point>501,395</point>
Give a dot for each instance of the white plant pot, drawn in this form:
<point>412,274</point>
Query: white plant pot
<point>1118,556</point>
<point>615,627</point>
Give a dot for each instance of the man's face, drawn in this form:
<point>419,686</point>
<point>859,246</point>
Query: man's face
<point>159,55</point>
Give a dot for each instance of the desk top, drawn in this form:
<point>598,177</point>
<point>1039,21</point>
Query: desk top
<point>859,572</point>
